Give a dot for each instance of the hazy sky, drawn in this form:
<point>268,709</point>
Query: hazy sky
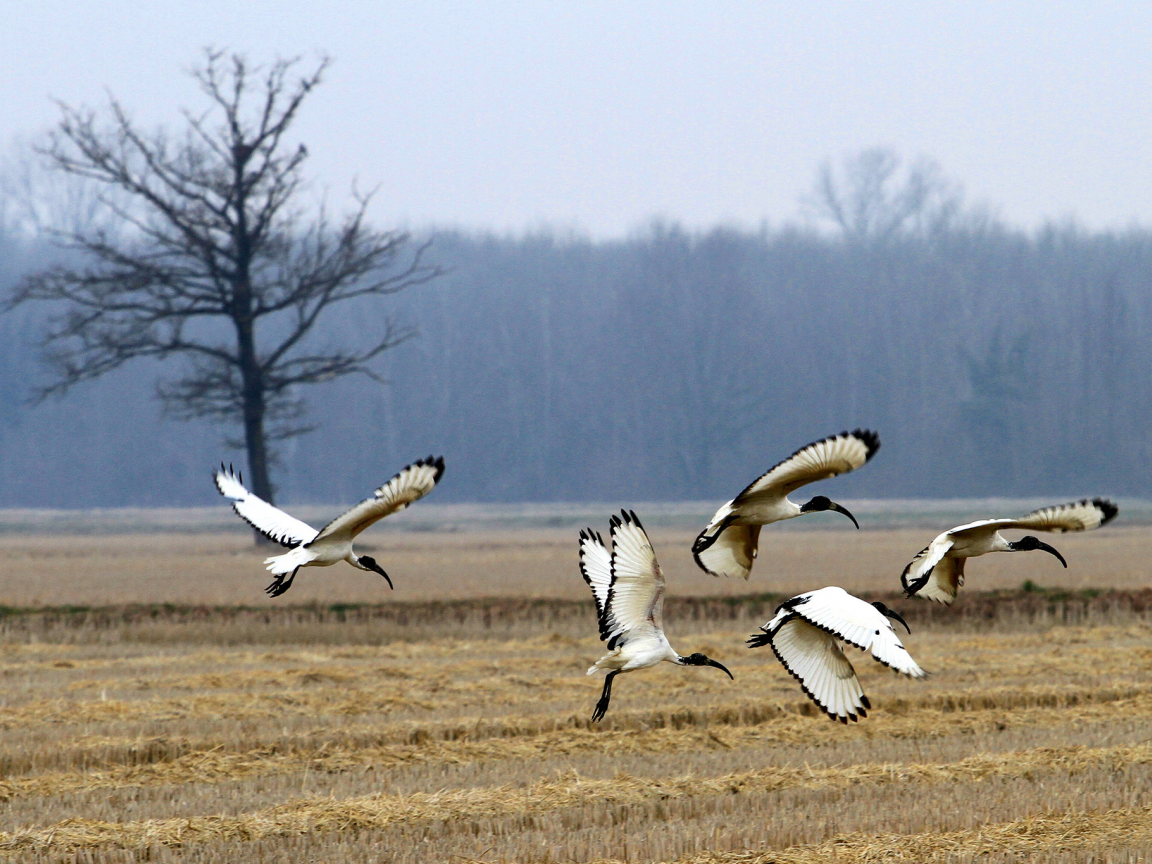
<point>598,116</point>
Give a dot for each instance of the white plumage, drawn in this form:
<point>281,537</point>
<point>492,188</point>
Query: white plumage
<point>628,587</point>
<point>728,545</point>
<point>937,571</point>
<point>806,634</point>
<point>311,548</point>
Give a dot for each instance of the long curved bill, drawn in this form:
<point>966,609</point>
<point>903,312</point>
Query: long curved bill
<point>894,614</point>
<point>834,506</point>
<point>721,666</point>
<point>380,570</point>
<point>1052,551</point>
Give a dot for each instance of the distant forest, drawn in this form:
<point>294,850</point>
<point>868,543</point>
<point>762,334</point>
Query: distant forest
<point>668,365</point>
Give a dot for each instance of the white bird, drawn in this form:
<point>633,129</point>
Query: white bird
<point>311,548</point>
<point>937,572</point>
<point>629,590</point>
<point>806,633</point>
<point>728,546</point>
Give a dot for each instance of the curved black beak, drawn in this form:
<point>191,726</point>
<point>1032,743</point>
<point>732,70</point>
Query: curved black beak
<point>898,617</point>
<point>844,510</point>
<point>722,667</point>
<point>892,613</point>
<point>1052,551</point>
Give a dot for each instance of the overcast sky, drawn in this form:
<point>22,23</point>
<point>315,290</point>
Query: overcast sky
<point>598,116</point>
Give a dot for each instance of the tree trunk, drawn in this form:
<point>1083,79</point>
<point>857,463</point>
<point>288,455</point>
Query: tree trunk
<point>251,374</point>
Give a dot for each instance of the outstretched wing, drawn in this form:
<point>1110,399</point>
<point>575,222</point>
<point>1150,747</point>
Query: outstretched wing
<point>636,595</point>
<point>1082,515</point>
<point>820,460</point>
<point>919,570</point>
<point>728,553</point>
<point>270,521</point>
<point>859,623</point>
<point>412,483</point>
<point>814,658</point>
<point>596,568</point>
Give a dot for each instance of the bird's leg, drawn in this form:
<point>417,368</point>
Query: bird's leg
<point>281,585</point>
<point>602,706</point>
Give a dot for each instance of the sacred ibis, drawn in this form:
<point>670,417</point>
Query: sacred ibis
<point>806,634</point>
<point>311,548</point>
<point>629,590</point>
<point>937,572</point>
<point>728,546</point>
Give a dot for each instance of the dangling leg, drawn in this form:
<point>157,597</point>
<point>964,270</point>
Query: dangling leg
<point>602,706</point>
<point>280,585</point>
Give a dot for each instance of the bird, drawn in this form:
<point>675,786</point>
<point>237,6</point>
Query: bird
<point>806,635</point>
<point>628,586</point>
<point>728,545</point>
<point>311,548</point>
<point>937,571</point>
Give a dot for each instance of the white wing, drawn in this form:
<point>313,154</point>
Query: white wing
<point>596,568</point>
<point>820,460</point>
<point>859,623</point>
<point>945,580</point>
<point>270,521</point>
<point>814,658</point>
<point>412,483</point>
<point>636,595</point>
<point>1081,515</point>
<point>915,575</point>
<point>730,553</point>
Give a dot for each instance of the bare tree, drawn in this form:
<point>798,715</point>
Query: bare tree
<point>871,200</point>
<point>215,260</point>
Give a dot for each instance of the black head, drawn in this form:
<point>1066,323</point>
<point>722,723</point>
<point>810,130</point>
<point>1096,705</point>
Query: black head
<point>821,502</point>
<point>1030,544</point>
<point>701,660</point>
<point>370,564</point>
<point>891,613</point>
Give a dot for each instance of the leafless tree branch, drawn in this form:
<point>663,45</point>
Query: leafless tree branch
<point>210,233</point>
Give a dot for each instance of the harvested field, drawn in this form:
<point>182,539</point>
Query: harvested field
<point>459,732</point>
<point>155,706</point>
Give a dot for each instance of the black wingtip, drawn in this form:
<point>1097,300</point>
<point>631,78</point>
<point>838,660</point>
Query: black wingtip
<point>1108,508</point>
<point>431,461</point>
<point>870,439</point>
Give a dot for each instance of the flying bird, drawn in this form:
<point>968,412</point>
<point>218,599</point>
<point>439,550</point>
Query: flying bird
<point>311,548</point>
<point>727,547</point>
<point>807,633</point>
<point>937,572</point>
<point>629,590</point>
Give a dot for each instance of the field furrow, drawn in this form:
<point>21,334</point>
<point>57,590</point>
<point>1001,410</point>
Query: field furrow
<point>456,749</point>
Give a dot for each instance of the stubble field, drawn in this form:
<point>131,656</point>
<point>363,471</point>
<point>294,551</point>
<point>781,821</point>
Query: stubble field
<point>449,721</point>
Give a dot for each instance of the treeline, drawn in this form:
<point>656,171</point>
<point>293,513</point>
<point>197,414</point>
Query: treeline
<point>669,365</point>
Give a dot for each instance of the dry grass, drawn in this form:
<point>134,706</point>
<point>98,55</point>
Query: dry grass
<point>426,730</point>
<point>224,568</point>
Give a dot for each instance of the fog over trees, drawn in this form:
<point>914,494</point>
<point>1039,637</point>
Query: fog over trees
<point>668,365</point>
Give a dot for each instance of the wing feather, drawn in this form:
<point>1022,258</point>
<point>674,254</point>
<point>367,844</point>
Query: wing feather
<point>636,596</point>
<point>596,568</point>
<point>410,484</point>
<point>270,521</point>
<point>729,553</point>
<point>859,623</point>
<point>820,460</point>
<point>814,658</point>
<point>1082,515</point>
<point>943,583</point>
<point>918,572</point>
